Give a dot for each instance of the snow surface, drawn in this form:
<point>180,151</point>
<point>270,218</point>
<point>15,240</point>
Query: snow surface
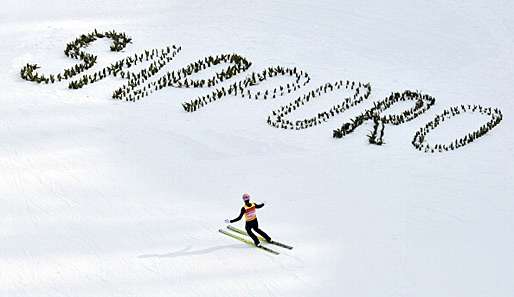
<point>108,198</point>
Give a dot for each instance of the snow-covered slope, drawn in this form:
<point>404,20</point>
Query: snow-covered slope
<point>100,197</point>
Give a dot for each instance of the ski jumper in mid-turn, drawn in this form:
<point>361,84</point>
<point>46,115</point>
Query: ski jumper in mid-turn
<point>249,212</point>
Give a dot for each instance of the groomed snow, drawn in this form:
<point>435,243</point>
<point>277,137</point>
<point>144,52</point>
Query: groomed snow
<point>108,198</point>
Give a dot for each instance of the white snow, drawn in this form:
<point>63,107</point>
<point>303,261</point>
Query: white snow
<point>107,198</point>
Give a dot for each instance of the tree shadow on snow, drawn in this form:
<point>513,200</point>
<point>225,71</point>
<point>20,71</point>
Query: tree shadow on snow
<point>188,252</point>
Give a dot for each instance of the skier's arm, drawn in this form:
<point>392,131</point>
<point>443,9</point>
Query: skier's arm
<point>240,215</point>
<point>259,205</point>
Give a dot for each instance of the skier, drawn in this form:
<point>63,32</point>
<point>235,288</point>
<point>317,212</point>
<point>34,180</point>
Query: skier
<point>249,211</point>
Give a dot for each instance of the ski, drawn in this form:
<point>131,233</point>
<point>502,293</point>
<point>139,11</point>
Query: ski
<point>249,242</point>
<point>260,238</point>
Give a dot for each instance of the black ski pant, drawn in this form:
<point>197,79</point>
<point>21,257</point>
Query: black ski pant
<point>254,225</point>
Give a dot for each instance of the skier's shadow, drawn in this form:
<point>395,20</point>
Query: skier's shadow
<point>188,252</point>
